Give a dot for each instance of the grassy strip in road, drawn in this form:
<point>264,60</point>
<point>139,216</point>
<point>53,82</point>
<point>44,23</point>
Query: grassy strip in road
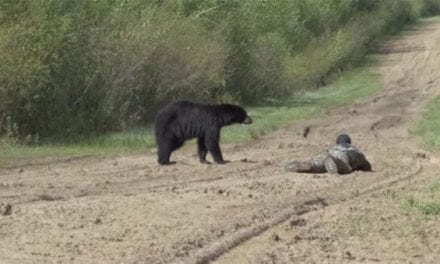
<point>428,128</point>
<point>350,86</point>
<point>426,202</point>
<point>423,201</point>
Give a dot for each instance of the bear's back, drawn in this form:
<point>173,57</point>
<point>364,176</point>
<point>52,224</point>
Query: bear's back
<point>185,119</point>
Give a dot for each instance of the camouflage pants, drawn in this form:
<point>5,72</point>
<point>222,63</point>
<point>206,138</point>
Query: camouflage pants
<point>326,161</point>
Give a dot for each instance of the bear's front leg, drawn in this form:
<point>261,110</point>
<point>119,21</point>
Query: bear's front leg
<point>164,153</point>
<point>202,150</point>
<point>216,153</point>
<point>212,143</point>
<point>165,147</point>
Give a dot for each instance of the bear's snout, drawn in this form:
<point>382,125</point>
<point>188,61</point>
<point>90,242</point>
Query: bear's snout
<point>247,120</point>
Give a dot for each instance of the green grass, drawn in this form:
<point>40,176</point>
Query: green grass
<point>428,128</point>
<point>135,139</point>
<point>425,202</point>
<point>350,86</point>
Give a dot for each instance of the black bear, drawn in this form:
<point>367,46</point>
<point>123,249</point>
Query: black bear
<point>183,120</point>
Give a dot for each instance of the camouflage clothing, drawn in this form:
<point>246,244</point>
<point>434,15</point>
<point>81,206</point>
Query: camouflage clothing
<point>341,158</point>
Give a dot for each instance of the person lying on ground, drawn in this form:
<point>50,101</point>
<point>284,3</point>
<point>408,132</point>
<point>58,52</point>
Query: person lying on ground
<point>341,158</point>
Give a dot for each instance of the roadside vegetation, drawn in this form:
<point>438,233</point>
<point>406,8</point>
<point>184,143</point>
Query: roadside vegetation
<point>350,86</point>
<point>88,76</point>
<point>409,213</point>
<point>422,201</point>
<point>428,128</point>
<point>426,202</point>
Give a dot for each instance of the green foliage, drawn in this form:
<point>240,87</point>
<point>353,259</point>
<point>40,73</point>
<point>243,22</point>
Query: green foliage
<point>432,208</point>
<point>427,202</point>
<point>424,201</point>
<point>266,119</point>
<point>429,126</point>
<point>79,67</point>
<point>75,68</point>
<point>431,7</point>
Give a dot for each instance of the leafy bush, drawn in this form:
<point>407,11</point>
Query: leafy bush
<point>431,7</point>
<point>74,68</point>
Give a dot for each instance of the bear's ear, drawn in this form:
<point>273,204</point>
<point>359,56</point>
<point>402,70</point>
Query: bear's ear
<point>247,120</point>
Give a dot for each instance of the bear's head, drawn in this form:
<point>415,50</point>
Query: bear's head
<point>231,114</point>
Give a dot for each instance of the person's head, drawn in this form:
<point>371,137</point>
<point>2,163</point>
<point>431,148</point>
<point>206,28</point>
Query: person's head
<point>343,139</point>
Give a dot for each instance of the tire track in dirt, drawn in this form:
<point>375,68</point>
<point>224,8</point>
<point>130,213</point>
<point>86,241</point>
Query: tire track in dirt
<point>407,94</point>
<point>324,198</point>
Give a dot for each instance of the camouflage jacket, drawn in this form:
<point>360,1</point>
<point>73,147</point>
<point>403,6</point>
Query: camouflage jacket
<point>340,158</point>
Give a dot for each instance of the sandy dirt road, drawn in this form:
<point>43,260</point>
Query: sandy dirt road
<point>126,209</point>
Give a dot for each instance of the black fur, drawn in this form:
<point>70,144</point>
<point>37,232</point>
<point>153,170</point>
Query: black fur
<point>183,120</point>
